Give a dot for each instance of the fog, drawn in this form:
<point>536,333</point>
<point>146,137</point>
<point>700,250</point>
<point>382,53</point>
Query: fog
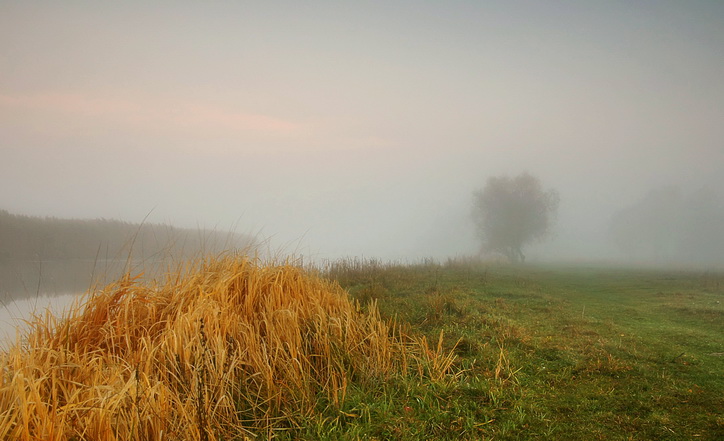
<point>359,129</point>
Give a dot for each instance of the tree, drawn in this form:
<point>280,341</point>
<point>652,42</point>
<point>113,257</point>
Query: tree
<point>650,228</point>
<point>511,212</point>
<point>668,226</point>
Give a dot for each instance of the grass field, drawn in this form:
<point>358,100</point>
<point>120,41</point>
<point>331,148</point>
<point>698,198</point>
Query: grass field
<point>546,352</point>
<point>463,350</point>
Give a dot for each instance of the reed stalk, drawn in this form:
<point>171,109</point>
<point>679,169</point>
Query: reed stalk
<point>229,348</point>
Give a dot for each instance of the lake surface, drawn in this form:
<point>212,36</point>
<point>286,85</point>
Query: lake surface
<point>34,287</point>
<point>14,312</point>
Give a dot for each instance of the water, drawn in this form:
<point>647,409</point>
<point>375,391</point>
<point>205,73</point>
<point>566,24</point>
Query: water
<point>14,312</point>
<point>34,287</point>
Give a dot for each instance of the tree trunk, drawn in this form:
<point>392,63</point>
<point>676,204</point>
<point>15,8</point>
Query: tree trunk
<point>515,254</point>
<point>521,256</point>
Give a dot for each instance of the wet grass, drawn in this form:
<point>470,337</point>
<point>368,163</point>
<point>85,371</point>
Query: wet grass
<point>227,348</point>
<point>547,352</point>
<point>462,350</point>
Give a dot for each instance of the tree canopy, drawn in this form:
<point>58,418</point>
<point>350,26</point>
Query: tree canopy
<point>670,226</point>
<point>512,212</point>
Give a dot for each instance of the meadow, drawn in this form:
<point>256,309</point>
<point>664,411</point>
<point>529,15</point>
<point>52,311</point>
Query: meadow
<point>550,352</point>
<point>235,349</point>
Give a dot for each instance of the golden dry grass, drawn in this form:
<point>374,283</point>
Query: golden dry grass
<point>225,349</point>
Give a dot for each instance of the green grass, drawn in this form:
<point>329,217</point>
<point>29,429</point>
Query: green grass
<point>542,352</point>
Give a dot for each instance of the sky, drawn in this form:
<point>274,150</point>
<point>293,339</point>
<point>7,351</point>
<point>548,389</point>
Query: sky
<point>356,128</point>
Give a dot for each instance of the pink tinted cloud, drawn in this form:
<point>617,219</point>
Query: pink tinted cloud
<point>157,114</point>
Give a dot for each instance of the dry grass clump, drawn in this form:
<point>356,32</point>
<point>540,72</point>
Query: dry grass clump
<point>223,351</point>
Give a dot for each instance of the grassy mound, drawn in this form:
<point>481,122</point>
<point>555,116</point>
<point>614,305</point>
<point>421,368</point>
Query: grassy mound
<point>227,349</point>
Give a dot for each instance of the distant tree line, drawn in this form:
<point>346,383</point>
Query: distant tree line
<point>669,226</point>
<point>30,238</point>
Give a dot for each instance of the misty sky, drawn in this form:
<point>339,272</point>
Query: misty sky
<point>355,128</point>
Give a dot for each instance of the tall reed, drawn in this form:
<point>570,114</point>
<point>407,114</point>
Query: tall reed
<point>226,348</point>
